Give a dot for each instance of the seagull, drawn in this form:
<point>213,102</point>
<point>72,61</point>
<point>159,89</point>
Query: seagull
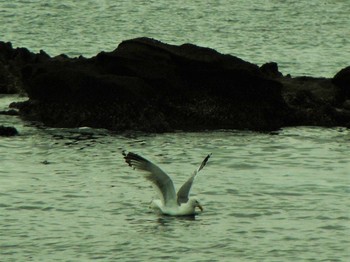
<point>170,203</point>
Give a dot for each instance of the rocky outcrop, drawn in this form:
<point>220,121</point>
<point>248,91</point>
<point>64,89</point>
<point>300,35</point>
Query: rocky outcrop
<point>314,102</point>
<point>8,131</point>
<point>342,81</point>
<point>12,60</point>
<point>151,86</point>
<point>11,112</point>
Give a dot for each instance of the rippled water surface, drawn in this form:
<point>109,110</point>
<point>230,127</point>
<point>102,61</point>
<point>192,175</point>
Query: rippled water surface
<point>67,195</point>
<point>304,37</point>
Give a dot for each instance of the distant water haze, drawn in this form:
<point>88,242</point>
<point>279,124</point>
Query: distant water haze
<point>303,37</point>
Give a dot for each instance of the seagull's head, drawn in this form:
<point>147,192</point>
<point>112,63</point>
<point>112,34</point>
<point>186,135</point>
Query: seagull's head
<point>195,203</point>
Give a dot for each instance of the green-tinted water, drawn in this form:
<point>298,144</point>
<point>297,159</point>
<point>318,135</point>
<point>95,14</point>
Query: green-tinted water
<point>304,37</point>
<point>67,195</point>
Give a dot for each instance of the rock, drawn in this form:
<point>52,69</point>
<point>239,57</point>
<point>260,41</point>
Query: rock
<point>7,82</point>
<point>342,81</point>
<point>11,112</point>
<point>271,69</point>
<point>151,86</point>
<point>346,104</point>
<point>312,101</point>
<point>12,60</point>
<point>8,131</point>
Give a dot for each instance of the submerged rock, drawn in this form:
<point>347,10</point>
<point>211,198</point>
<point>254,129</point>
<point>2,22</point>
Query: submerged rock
<point>8,131</point>
<point>151,86</point>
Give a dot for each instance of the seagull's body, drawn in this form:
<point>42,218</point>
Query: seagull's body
<point>170,203</point>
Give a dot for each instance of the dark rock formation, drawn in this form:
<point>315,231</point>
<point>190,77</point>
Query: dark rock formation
<point>151,86</point>
<point>312,101</point>
<point>11,63</point>
<point>271,69</point>
<point>11,112</point>
<point>8,131</point>
<point>342,81</point>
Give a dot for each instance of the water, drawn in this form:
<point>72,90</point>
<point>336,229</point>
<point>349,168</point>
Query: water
<point>304,37</point>
<point>67,195</point>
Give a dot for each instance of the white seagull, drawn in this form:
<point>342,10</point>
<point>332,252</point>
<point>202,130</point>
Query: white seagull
<point>170,203</point>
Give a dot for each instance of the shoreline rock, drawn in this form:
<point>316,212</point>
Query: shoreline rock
<point>8,131</point>
<point>147,85</point>
<point>11,112</point>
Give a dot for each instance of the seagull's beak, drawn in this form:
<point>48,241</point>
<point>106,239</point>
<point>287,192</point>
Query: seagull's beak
<point>200,207</point>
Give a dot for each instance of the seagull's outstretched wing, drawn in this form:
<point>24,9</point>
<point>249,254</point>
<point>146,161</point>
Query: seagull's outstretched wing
<point>154,174</point>
<point>184,191</point>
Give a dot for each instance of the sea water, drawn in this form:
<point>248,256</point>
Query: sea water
<point>303,37</point>
<point>68,195</point>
